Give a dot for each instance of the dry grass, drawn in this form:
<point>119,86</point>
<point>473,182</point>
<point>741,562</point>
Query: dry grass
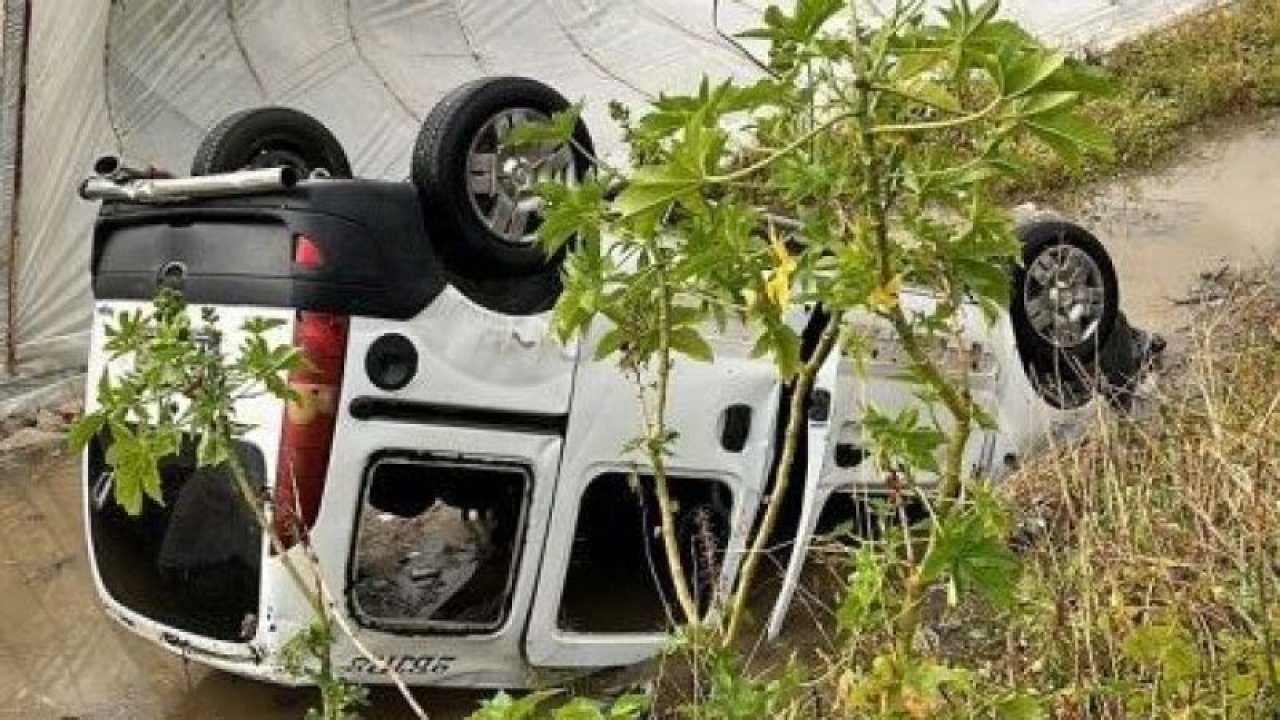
<point>1153,581</point>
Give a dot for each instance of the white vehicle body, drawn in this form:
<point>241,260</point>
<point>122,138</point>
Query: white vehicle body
<point>510,365</point>
<point>462,476</point>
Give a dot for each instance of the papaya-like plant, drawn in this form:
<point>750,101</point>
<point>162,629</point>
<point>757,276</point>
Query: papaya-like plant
<point>168,385</point>
<point>860,164</point>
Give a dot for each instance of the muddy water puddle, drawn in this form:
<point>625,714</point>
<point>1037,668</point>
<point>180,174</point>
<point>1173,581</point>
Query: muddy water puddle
<point>62,657</point>
<point>1217,208</point>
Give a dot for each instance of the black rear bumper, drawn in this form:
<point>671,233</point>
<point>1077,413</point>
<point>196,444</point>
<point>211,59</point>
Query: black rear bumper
<point>377,260</point>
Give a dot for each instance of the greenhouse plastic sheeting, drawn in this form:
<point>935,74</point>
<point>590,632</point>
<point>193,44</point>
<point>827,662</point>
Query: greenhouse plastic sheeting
<point>145,78</point>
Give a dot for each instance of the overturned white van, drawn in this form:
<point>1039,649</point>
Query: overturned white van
<point>461,474</point>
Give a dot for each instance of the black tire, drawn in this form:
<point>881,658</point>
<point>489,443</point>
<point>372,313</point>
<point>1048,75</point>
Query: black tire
<point>474,255</point>
<point>1037,238</point>
<point>270,137</point>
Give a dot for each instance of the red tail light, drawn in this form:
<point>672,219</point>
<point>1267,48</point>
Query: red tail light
<point>306,436</point>
<point>306,253</point>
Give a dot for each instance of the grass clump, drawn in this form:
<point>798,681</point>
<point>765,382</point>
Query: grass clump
<point>1153,582</point>
<point>1218,64</point>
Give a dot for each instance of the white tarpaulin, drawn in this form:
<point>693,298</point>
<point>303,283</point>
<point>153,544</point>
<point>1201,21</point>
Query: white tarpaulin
<point>145,78</point>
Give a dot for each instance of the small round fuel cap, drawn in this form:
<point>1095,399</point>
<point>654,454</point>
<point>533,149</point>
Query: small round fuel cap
<point>391,362</point>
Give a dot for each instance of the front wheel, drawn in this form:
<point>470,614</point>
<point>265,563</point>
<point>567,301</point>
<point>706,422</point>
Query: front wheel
<point>1065,294</point>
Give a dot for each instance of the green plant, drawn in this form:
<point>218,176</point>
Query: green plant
<point>1219,63</point>
<point>863,164</point>
<point>306,655</point>
<point>534,707</point>
<point>172,386</point>
<point>731,693</point>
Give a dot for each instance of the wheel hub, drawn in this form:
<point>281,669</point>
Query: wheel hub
<point>1064,296</point>
<point>501,176</point>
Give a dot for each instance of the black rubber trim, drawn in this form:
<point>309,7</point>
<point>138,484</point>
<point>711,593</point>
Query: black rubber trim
<point>737,428</point>
<point>407,411</point>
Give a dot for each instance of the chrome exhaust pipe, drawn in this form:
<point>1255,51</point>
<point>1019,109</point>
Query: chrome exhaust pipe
<point>144,190</point>
<point>112,168</point>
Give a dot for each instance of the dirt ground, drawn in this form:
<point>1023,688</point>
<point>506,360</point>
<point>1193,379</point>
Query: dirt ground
<point>60,657</point>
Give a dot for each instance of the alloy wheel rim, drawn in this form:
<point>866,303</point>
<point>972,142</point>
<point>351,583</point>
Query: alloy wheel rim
<point>1064,296</point>
<point>500,177</point>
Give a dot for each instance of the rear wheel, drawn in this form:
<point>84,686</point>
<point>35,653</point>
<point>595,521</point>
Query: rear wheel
<point>267,138</point>
<point>476,189</point>
<point>1064,306</point>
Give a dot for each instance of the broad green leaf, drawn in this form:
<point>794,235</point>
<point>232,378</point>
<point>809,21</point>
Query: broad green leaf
<point>1079,76</point>
<point>1164,645</point>
<point>779,341</point>
<point>931,93</point>
<point>924,685</point>
<point>983,15</point>
<point>629,707</point>
<point>689,342</point>
<point>987,279</point>
<point>1021,706</point>
<point>864,597</point>
<point>84,429</point>
<point>504,707</point>
<point>579,708</point>
<point>783,29</point>
<point>1045,102</point>
<point>999,34</point>
<point>134,468</point>
<point>128,493</point>
<point>212,450</point>
<point>556,130</point>
<point>260,325</point>
<point>974,556</point>
<point>902,439</point>
<point>1070,136</point>
<point>1030,71</point>
<point>916,62</point>
<point>653,188</point>
<point>569,211</point>
<point>609,344</point>
<point>762,93</point>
